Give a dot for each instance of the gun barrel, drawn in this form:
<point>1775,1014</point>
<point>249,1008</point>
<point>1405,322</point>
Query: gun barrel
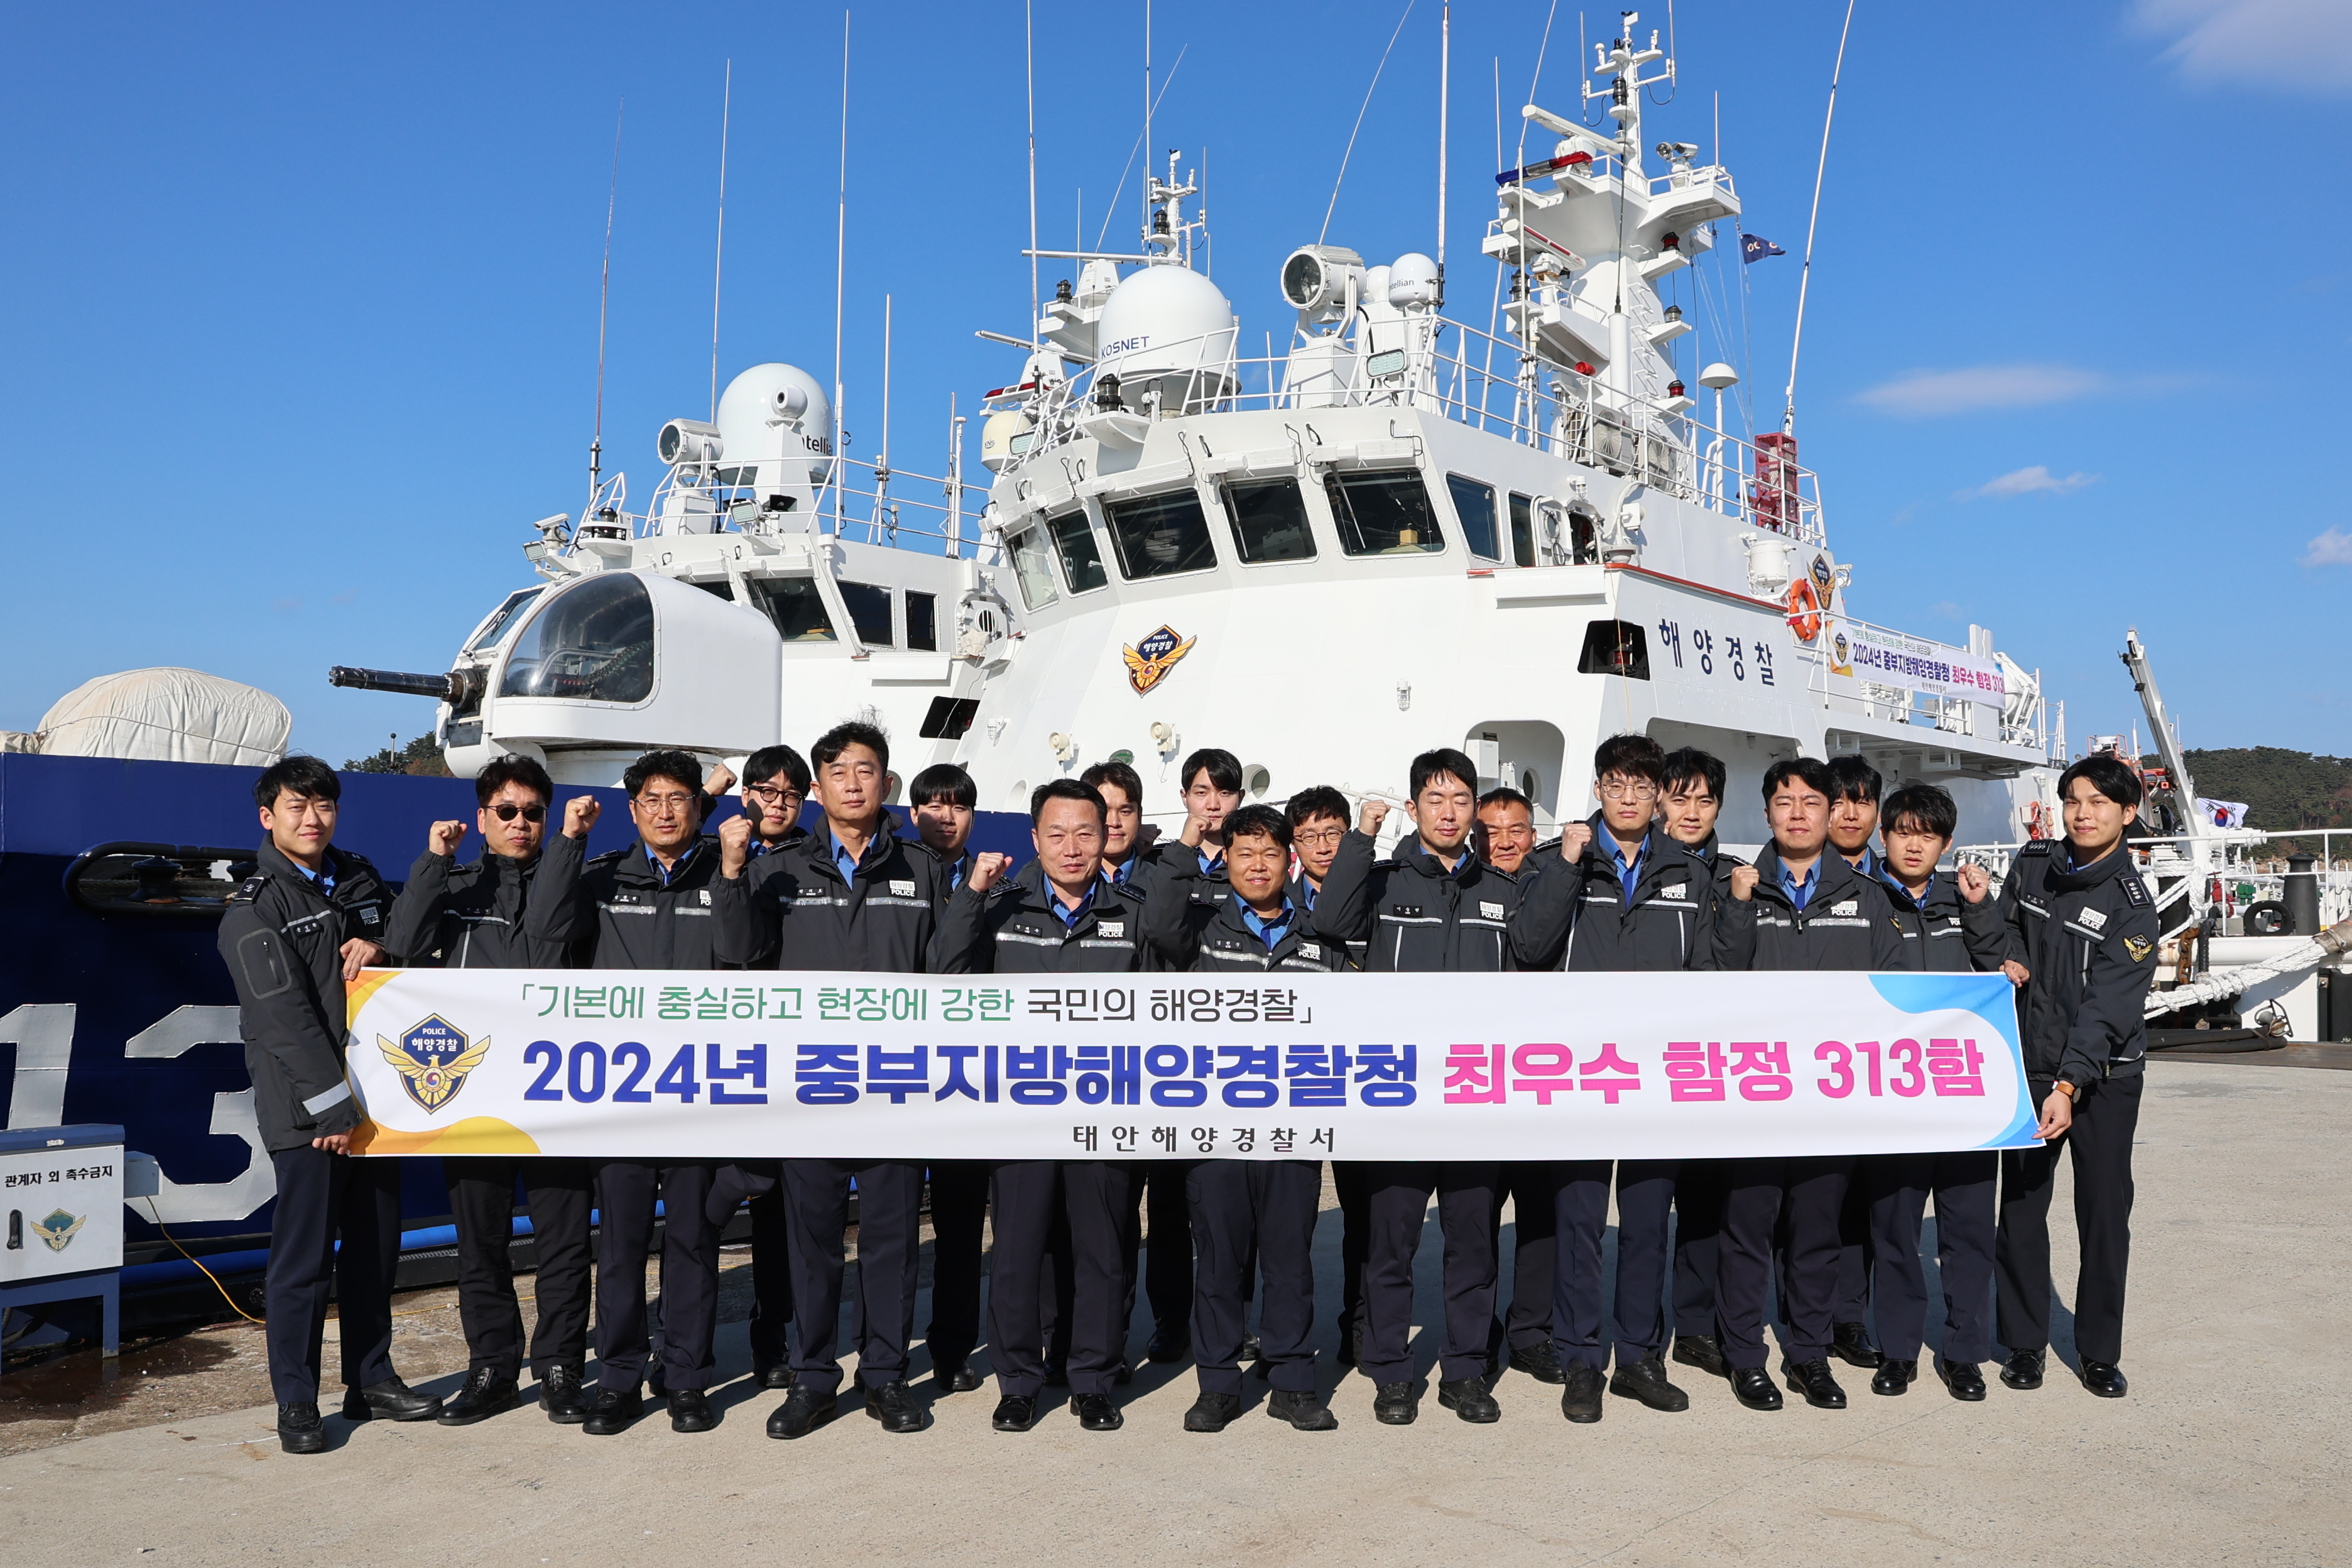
<point>442,688</point>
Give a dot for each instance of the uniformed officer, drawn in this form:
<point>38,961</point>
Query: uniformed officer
<point>1644,901</point>
<point>942,804</point>
<point>307,921</point>
<point>2082,922</point>
<point>1433,908</point>
<point>673,899</point>
<point>1060,915</point>
<point>473,916</point>
<point>1319,818</point>
<point>1814,911</point>
<point>1688,808</point>
<point>1254,1215</point>
<point>855,895</point>
<point>1950,924</point>
<point>1854,787</point>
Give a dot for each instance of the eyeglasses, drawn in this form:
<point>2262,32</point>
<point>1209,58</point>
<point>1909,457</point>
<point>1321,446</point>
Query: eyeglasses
<point>664,801</point>
<point>1326,836</point>
<point>507,811</point>
<point>1618,789</point>
<point>775,794</point>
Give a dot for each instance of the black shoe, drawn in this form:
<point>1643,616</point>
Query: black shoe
<point>1395,1404</point>
<point>1752,1386</point>
<point>1964,1378</point>
<point>804,1410</point>
<point>1850,1342</point>
<point>2106,1379</point>
<point>1122,1374</point>
<point>1014,1413</point>
<point>957,1379</point>
<point>1211,1412</point>
<point>1057,1372</point>
<point>1702,1351</point>
<point>299,1430</point>
<point>655,1387</point>
<point>487,1391</point>
<point>1580,1400</point>
<point>1304,1409</point>
<point>2023,1370</point>
<point>612,1410</point>
<point>559,1394</point>
<point>1645,1380</point>
<point>773,1376</point>
<point>392,1399</point>
<point>1895,1375</point>
<point>1468,1397</point>
<point>1540,1361</point>
<point>1812,1379</point>
<point>1168,1345</point>
<point>893,1407</point>
<point>1096,1412</point>
<point>690,1411</point>
<point>1251,1350</point>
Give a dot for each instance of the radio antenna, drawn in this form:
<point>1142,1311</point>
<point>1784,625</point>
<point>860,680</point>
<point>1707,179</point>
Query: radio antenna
<point>840,253</point>
<point>1334,204</point>
<point>1029,45</point>
<point>1146,143</point>
<point>1789,411</point>
<point>1444,82</point>
<point>718,252</point>
<point>603,305</point>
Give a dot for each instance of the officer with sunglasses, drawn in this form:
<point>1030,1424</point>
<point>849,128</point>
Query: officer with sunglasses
<point>474,916</point>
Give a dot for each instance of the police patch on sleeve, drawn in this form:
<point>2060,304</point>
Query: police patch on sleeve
<point>2140,947</point>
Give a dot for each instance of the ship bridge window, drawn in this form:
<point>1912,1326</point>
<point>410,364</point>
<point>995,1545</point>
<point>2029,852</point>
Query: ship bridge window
<point>592,643</point>
<point>922,621</point>
<point>1523,531</point>
<point>1032,568</point>
<point>794,606</point>
<point>1384,512</point>
<point>503,619</point>
<point>869,612</point>
<point>1614,647</point>
<point>1269,519</point>
<point>1161,535</point>
<point>1474,507</point>
<point>1082,561</point>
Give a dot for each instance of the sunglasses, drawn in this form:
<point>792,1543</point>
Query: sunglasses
<point>505,811</point>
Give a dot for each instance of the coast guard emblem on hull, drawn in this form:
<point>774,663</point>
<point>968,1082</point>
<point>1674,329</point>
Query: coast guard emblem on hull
<point>59,1228</point>
<point>1149,660</point>
<point>433,1060</point>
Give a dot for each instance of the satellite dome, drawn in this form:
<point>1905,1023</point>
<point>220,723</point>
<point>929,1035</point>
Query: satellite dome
<point>776,413</point>
<point>1168,328</point>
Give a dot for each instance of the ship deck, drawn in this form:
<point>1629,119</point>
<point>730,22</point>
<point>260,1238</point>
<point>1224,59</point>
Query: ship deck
<point>2231,1446</point>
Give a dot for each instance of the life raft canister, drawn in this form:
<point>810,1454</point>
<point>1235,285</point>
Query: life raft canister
<point>1804,610</point>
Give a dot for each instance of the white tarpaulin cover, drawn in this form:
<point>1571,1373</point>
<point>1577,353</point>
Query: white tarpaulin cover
<point>170,716</point>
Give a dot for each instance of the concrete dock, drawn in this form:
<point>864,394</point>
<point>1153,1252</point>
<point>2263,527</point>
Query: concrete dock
<point>2231,1448</point>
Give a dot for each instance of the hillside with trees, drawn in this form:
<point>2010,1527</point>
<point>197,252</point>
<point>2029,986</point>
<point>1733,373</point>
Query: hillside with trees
<point>2283,790</point>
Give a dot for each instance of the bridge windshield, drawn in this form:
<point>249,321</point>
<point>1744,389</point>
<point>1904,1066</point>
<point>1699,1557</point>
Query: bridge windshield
<point>594,643</point>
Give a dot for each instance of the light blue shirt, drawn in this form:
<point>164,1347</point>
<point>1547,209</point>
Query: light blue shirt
<point>1210,862</point>
<point>1070,915</point>
<point>1800,893</point>
<point>1270,932</point>
<point>843,859</point>
<point>669,873</point>
<point>1629,872</point>
<point>1116,872</point>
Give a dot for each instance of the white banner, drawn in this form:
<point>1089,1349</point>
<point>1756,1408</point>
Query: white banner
<point>1916,663</point>
<point>1354,1067</point>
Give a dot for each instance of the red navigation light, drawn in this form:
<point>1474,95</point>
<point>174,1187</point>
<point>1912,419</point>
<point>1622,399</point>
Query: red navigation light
<point>1673,389</point>
<point>1583,367</point>
<point>1671,240</point>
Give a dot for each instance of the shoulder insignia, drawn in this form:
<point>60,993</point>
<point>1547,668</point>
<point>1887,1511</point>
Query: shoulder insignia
<point>2140,947</point>
<point>2037,846</point>
<point>1725,857</point>
<point>356,858</point>
<point>610,858</point>
<point>2135,890</point>
<point>251,889</point>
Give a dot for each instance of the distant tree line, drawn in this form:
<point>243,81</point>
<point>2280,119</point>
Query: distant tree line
<point>420,758</point>
<point>2283,790</point>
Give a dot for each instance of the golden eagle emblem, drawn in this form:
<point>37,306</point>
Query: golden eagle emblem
<point>2140,947</point>
<point>59,1228</point>
<point>1149,660</point>
<point>433,1060</point>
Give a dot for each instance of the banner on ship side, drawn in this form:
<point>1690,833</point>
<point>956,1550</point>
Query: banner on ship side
<point>1916,663</point>
<point>733,1065</point>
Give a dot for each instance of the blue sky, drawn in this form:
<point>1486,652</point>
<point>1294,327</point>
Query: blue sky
<point>298,309</point>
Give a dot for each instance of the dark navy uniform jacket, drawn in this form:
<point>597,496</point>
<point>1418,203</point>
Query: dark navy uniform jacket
<point>1848,923</point>
<point>1679,917</point>
<point>1021,931</point>
<point>282,937</point>
<point>622,912</point>
<point>2089,939</point>
<point>1415,917</point>
<point>897,915</point>
<point>469,917</point>
<point>1944,933</point>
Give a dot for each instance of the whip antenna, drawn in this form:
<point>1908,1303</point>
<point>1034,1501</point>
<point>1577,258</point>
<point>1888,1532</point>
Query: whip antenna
<point>1333,205</point>
<point>1788,412</point>
<point>718,255</point>
<point>604,303</point>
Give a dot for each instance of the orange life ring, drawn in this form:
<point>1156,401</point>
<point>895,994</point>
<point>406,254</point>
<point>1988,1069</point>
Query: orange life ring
<point>1804,610</point>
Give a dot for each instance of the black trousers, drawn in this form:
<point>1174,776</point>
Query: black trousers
<point>1028,1263</point>
<point>1897,1187</point>
<point>1099,1199</point>
<point>1699,1229</point>
<point>1254,1215</point>
<point>322,1197</point>
<point>2107,1115</point>
<point>1809,1192</point>
<point>1167,1273</point>
<point>1352,1179</point>
<point>1534,1191</point>
<point>559,1193</point>
<point>890,1234</point>
<point>1645,1196</point>
<point>959,1190</point>
<point>1400,1197</point>
<point>1857,1253</point>
<point>772,1268</point>
<point>625,1191</point>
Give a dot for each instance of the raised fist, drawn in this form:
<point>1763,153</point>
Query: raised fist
<point>986,868</point>
<point>580,814</point>
<point>1368,818</point>
<point>442,837</point>
<point>734,846</point>
<point>721,780</point>
<point>1743,882</point>
<point>1574,839</point>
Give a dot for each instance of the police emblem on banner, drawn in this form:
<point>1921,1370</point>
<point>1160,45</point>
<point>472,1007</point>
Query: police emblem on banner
<point>433,1060</point>
<point>1840,655</point>
<point>1824,577</point>
<point>57,1227</point>
<point>1149,660</point>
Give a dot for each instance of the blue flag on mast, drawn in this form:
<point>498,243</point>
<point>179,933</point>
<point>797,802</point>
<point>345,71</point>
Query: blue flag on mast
<point>1756,247</point>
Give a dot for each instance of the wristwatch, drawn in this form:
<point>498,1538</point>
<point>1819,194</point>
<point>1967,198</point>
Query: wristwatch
<point>2063,1087</point>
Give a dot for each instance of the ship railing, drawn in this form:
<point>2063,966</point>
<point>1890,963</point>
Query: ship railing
<point>2018,718</point>
<point>2250,870</point>
<point>856,500</point>
<point>1492,384</point>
